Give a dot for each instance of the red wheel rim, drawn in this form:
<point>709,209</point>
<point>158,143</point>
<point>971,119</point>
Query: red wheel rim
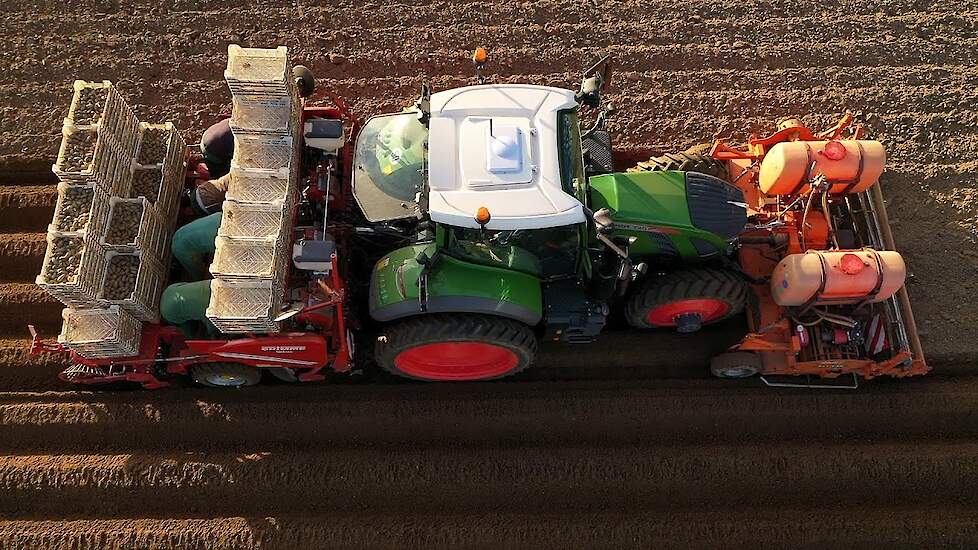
<point>456,361</point>
<point>707,308</point>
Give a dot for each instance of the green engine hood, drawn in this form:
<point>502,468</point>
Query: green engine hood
<point>676,214</point>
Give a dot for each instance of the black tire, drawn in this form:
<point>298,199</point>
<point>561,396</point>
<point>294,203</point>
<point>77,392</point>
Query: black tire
<point>225,375</point>
<point>424,330</point>
<point>736,364</point>
<point>694,159</point>
<point>701,283</point>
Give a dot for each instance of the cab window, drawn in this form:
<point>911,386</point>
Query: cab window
<point>389,163</point>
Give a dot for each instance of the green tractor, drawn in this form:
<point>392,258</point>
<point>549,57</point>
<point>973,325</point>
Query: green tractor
<point>502,224</point>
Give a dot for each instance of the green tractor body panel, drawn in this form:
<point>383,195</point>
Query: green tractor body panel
<point>453,285</point>
<point>674,214</point>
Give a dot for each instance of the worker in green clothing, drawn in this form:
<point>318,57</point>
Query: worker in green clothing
<point>184,305</point>
<point>193,245</point>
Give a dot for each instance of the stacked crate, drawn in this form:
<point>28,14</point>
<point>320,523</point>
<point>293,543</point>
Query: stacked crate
<point>99,141</point>
<point>252,247</point>
<point>107,243</point>
<point>158,173</point>
<point>100,138</point>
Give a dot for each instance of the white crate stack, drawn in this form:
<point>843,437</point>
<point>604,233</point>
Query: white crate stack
<point>159,169</point>
<point>252,247</point>
<point>100,221</point>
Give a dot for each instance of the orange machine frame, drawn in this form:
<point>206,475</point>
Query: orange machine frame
<point>772,335</point>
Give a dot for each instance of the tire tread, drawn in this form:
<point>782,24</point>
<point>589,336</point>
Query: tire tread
<point>700,282</point>
<point>454,327</point>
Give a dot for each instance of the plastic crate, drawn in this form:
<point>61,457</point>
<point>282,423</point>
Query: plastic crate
<point>252,185</point>
<point>252,115</point>
<point>102,161</point>
<point>101,333</point>
<point>159,186</point>
<point>156,143</point>
<point>174,175</point>
<point>81,288</point>
<point>111,112</point>
<point>264,152</point>
<point>244,306</point>
<point>143,301</point>
<point>245,258</point>
<point>147,182</point>
<point>80,208</point>
<point>90,93</point>
<point>258,71</point>
<point>162,181</point>
<point>252,220</point>
<point>149,235</point>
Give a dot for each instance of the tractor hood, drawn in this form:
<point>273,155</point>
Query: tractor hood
<point>495,146</point>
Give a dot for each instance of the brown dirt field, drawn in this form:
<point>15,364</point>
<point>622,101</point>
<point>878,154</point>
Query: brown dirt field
<point>626,444</point>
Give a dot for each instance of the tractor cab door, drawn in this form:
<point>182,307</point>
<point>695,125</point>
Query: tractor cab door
<point>389,166</point>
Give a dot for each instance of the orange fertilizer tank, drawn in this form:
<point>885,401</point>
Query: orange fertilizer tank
<point>837,277</point>
<point>850,166</point>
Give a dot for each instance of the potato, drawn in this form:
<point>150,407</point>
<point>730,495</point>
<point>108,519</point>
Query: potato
<point>79,151</point>
<point>152,150</point>
<point>146,183</point>
<point>90,106</point>
<point>120,279</point>
<point>124,223</point>
<point>76,206</point>
<point>65,258</point>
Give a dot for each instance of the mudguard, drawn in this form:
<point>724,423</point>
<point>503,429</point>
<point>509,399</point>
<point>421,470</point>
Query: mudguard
<point>453,286</point>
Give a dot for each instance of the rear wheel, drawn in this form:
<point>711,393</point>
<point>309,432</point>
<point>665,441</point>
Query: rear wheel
<point>694,159</point>
<point>225,375</point>
<point>687,299</point>
<point>447,347</point>
<point>737,364</point>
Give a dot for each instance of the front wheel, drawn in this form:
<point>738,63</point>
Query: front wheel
<point>456,347</point>
<point>687,299</point>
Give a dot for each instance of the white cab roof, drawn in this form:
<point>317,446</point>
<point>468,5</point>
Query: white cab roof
<point>496,146</point>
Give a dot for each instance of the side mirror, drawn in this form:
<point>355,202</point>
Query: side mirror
<point>602,218</point>
<point>594,81</point>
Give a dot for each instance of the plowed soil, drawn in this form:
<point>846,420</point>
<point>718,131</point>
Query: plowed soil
<point>625,444</point>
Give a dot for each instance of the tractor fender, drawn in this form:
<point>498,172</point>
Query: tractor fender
<point>454,286</point>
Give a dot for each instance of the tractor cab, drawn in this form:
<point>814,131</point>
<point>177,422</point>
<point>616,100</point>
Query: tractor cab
<point>514,149</point>
<point>495,174</point>
<point>511,153</point>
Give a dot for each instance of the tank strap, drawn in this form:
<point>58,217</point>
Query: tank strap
<point>879,280</point>
<point>821,286</point>
<point>859,171</point>
<point>803,180</point>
